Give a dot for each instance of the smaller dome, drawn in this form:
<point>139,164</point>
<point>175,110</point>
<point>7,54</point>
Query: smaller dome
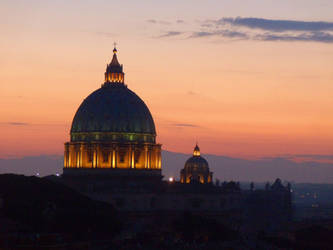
<point>197,162</point>
<point>196,169</point>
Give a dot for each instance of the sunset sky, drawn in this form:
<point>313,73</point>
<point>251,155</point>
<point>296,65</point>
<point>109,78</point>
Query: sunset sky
<point>245,78</point>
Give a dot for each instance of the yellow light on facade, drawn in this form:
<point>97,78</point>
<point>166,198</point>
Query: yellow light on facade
<point>132,159</point>
<point>94,159</point>
<point>113,158</point>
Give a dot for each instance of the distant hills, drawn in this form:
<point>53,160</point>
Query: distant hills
<point>260,170</point>
<point>224,168</point>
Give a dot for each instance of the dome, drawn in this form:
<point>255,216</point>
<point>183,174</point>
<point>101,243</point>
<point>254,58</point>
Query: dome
<point>198,162</point>
<point>113,131</point>
<point>196,169</point>
<point>113,109</point>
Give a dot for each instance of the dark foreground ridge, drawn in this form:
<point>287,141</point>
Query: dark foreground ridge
<point>33,208</point>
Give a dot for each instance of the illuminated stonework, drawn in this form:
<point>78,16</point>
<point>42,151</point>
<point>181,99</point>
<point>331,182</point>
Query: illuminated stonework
<point>112,155</point>
<point>196,169</point>
<point>113,129</point>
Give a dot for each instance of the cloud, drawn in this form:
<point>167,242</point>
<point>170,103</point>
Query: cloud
<point>207,25</point>
<point>171,33</point>
<point>151,21</point>
<point>191,93</point>
<point>33,124</point>
<point>15,123</point>
<point>304,37</point>
<point>221,33</point>
<point>259,29</point>
<point>255,29</point>
<point>185,125</point>
<point>276,25</point>
<point>201,34</point>
<point>154,21</point>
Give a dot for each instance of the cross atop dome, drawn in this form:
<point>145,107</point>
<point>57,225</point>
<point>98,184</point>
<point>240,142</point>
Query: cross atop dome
<point>114,71</point>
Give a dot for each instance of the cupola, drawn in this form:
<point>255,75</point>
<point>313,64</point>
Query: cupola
<point>114,71</point>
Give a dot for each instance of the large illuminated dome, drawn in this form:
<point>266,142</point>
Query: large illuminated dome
<point>113,110</point>
<point>112,129</point>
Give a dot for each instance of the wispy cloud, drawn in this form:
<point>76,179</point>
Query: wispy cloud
<point>15,123</point>
<point>185,125</point>
<point>304,37</point>
<point>275,25</point>
<point>32,124</point>
<point>260,29</point>
<point>171,34</point>
<point>255,29</point>
<point>221,33</point>
<point>202,34</point>
<point>190,92</point>
<point>154,21</point>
